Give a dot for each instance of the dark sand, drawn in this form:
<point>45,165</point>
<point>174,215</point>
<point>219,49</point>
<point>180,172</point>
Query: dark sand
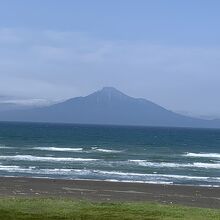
<point>101,191</point>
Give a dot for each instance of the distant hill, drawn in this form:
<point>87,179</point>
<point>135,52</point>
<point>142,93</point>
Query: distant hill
<point>108,106</point>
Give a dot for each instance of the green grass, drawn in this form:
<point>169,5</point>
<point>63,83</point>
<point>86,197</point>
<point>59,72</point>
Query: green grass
<point>67,209</point>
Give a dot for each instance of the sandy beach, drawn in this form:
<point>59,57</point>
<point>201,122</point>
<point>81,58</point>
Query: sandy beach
<point>101,191</point>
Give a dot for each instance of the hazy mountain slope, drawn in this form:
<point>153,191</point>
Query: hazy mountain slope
<point>107,106</point>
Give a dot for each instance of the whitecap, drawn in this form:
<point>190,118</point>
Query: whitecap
<point>114,175</point>
<point>160,176</point>
<point>206,155</point>
<point>139,181</point>
<point>176,165</point>
<point>105,150</point>
<point>15,169</point>
<point>46,159</point>
<point>58,149</point>
<point>4,147</point>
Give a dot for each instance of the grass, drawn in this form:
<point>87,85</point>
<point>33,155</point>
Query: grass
<point>54,209</point>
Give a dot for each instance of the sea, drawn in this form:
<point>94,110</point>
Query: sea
<point>155,155</point>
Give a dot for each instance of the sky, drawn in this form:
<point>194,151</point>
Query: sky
<point>166,51</point>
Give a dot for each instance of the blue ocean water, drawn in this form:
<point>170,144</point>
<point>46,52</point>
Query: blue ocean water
<point>113,153</point>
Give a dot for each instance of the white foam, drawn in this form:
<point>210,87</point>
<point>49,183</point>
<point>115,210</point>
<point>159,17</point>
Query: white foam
<point>15,169</point>
<point>105,150</point>
<point>215,186</point>
<point>59,171</point>
<point>158,175</point>
<point>206,155</point>
<point>45,159</point>
<point>4,147</point>
<point>113,175</point>
<point>59,149</point>
<point>207,165</point>
<point>176,165</point>
<point>34,171</point>
<point>137,181</point>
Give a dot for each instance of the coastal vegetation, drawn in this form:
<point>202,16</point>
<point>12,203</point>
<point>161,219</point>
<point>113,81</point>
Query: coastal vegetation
<point>52,209</point>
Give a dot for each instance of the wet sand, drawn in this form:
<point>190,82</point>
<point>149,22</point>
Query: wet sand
<point>101,191</point>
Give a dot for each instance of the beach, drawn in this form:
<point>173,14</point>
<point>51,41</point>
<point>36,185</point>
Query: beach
<point>105,191</point>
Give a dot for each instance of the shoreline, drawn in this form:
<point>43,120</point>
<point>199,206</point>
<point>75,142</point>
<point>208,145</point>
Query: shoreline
<point>115,181</point>
<point>110,191</point>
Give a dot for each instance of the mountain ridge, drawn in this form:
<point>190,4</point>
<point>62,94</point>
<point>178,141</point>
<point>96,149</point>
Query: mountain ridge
<point>108,106</point>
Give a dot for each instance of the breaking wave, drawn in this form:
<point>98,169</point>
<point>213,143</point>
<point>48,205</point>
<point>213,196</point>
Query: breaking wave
<point>59,149</point>
<point>105,150</point>
<point>206,155</point>
<point>114,176</point>
<point>4,147</point>
<point>176,165</point>
<point>45,159</point>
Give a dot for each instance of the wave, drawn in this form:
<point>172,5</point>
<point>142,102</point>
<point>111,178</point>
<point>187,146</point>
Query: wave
<point>139,181</point>
<point>176,165</point>
<point>4,147</point>
<point>116,173</point>
<point>101,172</point>
<point>138,162</point>
<point>105,150</point>
<point>65,172</point>
<point>159,182</point>
<point>206,165</point>
<point>113,175</point>
<point>45,159</point>
<point>206,155</point>
<point>76,149</point>
<point>58,149</point>
<point>15,169</point>
<point>34,170</point>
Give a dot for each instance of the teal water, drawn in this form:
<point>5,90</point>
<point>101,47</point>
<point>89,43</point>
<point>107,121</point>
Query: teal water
<point>113,153</point>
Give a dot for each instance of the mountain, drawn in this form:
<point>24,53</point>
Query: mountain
<point>107,106</point>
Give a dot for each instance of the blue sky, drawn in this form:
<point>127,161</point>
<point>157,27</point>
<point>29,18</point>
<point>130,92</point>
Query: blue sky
<point>167,51</point>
